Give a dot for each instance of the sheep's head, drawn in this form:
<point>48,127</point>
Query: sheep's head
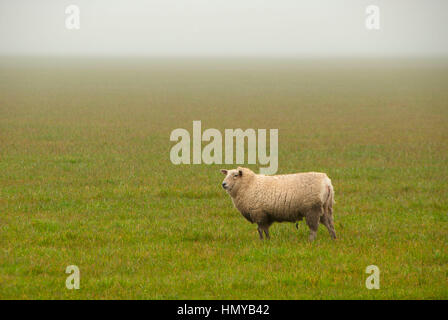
<point>235,178</point>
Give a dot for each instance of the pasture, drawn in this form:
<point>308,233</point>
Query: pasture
<point>86,178</point>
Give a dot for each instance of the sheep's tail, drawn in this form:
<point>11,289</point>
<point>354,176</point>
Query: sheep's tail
<point>329,202</point>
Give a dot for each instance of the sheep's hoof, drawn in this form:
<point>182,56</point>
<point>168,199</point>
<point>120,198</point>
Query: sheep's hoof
<point>312,236</point>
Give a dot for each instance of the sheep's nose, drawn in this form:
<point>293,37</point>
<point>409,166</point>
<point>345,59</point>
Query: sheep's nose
<point>224,185</point>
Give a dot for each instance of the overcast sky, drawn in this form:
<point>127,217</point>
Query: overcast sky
<point>224,27</point>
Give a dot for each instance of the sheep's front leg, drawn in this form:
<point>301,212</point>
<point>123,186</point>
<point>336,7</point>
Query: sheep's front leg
<point>297,222</point>
<point>260,232</point>
<point>266,232</point>
<point>264,228</point>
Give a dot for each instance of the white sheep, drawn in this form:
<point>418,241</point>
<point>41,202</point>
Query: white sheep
<point>265,199</point>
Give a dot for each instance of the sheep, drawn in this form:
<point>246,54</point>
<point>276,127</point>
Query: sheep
<point>263,199</point>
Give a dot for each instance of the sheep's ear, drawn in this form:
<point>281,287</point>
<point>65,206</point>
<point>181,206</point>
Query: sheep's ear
<point>224,171</point>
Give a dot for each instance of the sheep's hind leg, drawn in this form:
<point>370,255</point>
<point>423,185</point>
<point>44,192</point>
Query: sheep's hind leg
<point>312,220</point>
<point>327,221</point>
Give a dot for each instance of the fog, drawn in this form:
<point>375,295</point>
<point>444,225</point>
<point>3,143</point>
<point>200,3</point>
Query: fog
<point>224,28</point>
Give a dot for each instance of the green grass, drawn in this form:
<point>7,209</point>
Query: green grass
<point>85,178</point>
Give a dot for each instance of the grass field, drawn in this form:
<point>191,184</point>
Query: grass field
<point>86,178</point>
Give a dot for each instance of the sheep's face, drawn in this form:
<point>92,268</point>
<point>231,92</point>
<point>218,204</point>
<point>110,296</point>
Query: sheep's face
<point>232,180</point>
